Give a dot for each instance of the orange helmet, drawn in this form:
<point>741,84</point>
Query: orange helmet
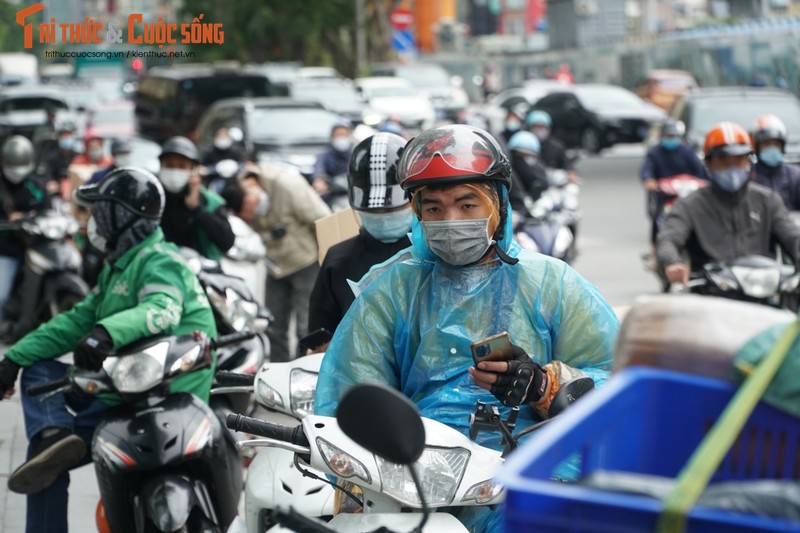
<point>768,127</point>
<point>727,138</point>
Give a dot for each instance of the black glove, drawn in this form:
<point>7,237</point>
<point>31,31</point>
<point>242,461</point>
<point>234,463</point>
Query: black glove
<point>8,375</point>
<point>93,349</point>
<point>523,382</point>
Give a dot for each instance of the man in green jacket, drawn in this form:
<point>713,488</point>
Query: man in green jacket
<point>143,290</point>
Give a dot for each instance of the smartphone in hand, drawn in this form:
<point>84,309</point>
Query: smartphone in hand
<point>494,348</point>
<point>314,340</point>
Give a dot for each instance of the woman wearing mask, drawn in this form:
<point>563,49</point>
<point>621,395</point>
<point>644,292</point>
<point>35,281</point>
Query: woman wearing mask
<point>194,216</point>
<point>93,153</point>
<point>769,143</point>
<point>385,214</point>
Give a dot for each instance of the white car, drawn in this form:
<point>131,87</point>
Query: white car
<point>391,96</point>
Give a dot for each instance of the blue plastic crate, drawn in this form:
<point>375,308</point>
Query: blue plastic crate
<point>644,421</point>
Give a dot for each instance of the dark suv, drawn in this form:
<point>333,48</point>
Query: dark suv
<point>702,108</point>
<point>170,100</point>
<point>275,129</point>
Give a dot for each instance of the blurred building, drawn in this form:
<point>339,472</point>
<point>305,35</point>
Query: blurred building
<point>586,23</point>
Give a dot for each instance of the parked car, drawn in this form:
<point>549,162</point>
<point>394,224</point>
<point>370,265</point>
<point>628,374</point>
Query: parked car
<point>319,73</point>
<point>702,108</point>
<point>24,109</point>
<point>444,91</point>
<point>596,116</point>
<point>274,129</point>
<point>495,110</point>
<point>662,87</point>
<point>170,100</point>
<point>338,95</point>
<point>390,96</point>
<point>280,74</point>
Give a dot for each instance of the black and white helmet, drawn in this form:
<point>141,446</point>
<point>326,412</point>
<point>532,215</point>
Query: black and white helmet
<point>372,174</point>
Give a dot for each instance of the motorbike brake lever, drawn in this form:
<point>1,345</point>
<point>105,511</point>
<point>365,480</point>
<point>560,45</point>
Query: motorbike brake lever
<point>227,390</point>
<point>52,393</point>
<point>272,443</point>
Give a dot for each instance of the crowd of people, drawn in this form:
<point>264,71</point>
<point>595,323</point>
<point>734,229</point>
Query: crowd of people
<point>433,268</point>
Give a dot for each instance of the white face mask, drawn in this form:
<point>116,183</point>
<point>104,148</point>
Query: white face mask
<point>17,174</point>
<point>122,160</point>
<point>341,144</point>
<point>174,179</point>
<point>387,227</point>
<point>95,154</point>
<point>458,242</point>
<point>223,143</point>
<point>262,207</point>
<point>97,240</point>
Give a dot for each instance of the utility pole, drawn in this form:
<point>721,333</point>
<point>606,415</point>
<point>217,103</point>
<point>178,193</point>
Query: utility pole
<point>361,38</point>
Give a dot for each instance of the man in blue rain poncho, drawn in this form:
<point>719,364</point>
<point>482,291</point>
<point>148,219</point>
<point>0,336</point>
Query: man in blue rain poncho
<point>465,280</point>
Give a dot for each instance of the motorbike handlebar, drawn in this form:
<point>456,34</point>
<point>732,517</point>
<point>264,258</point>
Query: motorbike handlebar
<point>36,390</point>
<point>233,379</point>
<point>295,521</point>
<point>232,338</point>
<point>269,430</point>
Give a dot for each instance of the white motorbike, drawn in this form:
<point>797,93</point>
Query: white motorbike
<point>403,464</point>
<point>286,390</point>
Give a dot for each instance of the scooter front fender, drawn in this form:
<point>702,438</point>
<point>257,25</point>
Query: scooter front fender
<point>168,501</point>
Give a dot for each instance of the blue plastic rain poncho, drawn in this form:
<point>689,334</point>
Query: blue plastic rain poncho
<point>412,327</point>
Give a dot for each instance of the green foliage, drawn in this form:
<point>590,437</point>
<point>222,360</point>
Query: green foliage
<point>316,32</point>
<point>11,36</point>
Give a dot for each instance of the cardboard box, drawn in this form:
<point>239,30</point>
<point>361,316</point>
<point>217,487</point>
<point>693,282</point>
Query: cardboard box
<point>334,229</point>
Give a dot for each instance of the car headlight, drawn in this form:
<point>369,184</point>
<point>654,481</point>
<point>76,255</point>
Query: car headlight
<point>342,463</point>
<point>757,282</point>
<point>483,492</point>
<point>302,385</point>
<point>138,372</point>
<point>268,396</point>
<point>439,470</point>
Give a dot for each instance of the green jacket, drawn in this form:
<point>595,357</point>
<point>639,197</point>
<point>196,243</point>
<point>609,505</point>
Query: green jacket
<point>208,248</point>
<point>147,291</point>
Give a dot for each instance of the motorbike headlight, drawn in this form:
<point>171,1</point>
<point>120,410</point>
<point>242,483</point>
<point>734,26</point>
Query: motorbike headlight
<point>186,361</point>
<point>562,242</point>
<point>141,371</point>
<point>302,385</point>
<point>268,396</point>
<point>53,228</point>
<point>791,284</point>
<point>342,463</point>
<point>439,470</point>
<point>237,312</point>
<point>483,492</point>
<point>757,282</point>
<point>557,177</point>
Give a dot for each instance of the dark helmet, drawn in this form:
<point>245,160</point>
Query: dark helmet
<point>136,189</point>
<point>452,154</point>
<point>18,153</point>
<point>120,146</point>
<point>181,146</point>
<point>769,127</point>
<point>372,174</point>
<point>672,128</point>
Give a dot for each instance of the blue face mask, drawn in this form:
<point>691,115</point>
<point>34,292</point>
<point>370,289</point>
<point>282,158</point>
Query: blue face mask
<point>671,143</point>
<point>66,143</point>
<point>731,179</point>
<point>387,227</point>
<point>772,156</point>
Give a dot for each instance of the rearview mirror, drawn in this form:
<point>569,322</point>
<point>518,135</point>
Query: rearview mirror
<point>383,421</point>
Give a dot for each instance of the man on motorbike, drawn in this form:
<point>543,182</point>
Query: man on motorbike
<point>769,143</point>
<point>554,153</point>
<point>121,155</point>
<point>194,216</point>
<point>224,147</point>
<point>19,195</point>
<point>333,161</point>
<point>515,116</point>
<point>730,218</point>
<point>528,176</point>
<point>385,215</point>
<point>145,289</point>
<point>412,327</point>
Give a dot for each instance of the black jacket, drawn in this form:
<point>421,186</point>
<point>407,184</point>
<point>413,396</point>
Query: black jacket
<point>185,227</point>
<point>215,155</point>
<point>22,197</point>
<point>526,180</point>
<point>783,179</point>
<point>348,260</point>
<point>554,155</point>
<point>714,225</point>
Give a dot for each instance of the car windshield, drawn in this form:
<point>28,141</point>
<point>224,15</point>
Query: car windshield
<point>744,111</point>
<point>388,91</point>
<point>593,97</point>
<point>424,76</point>
<point>333,96</point>
<point>291,125</point>
<point>207,90</point>
<point>31,103</point>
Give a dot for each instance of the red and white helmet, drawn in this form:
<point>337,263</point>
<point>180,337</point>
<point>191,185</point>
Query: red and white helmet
<point>769,127</point>
<point>727,138</point>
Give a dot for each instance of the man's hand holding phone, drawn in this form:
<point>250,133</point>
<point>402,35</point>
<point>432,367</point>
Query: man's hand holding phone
<point>512,377</point>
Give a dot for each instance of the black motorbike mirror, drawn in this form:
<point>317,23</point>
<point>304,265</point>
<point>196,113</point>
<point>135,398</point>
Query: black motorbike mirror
<point>399,435</point>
